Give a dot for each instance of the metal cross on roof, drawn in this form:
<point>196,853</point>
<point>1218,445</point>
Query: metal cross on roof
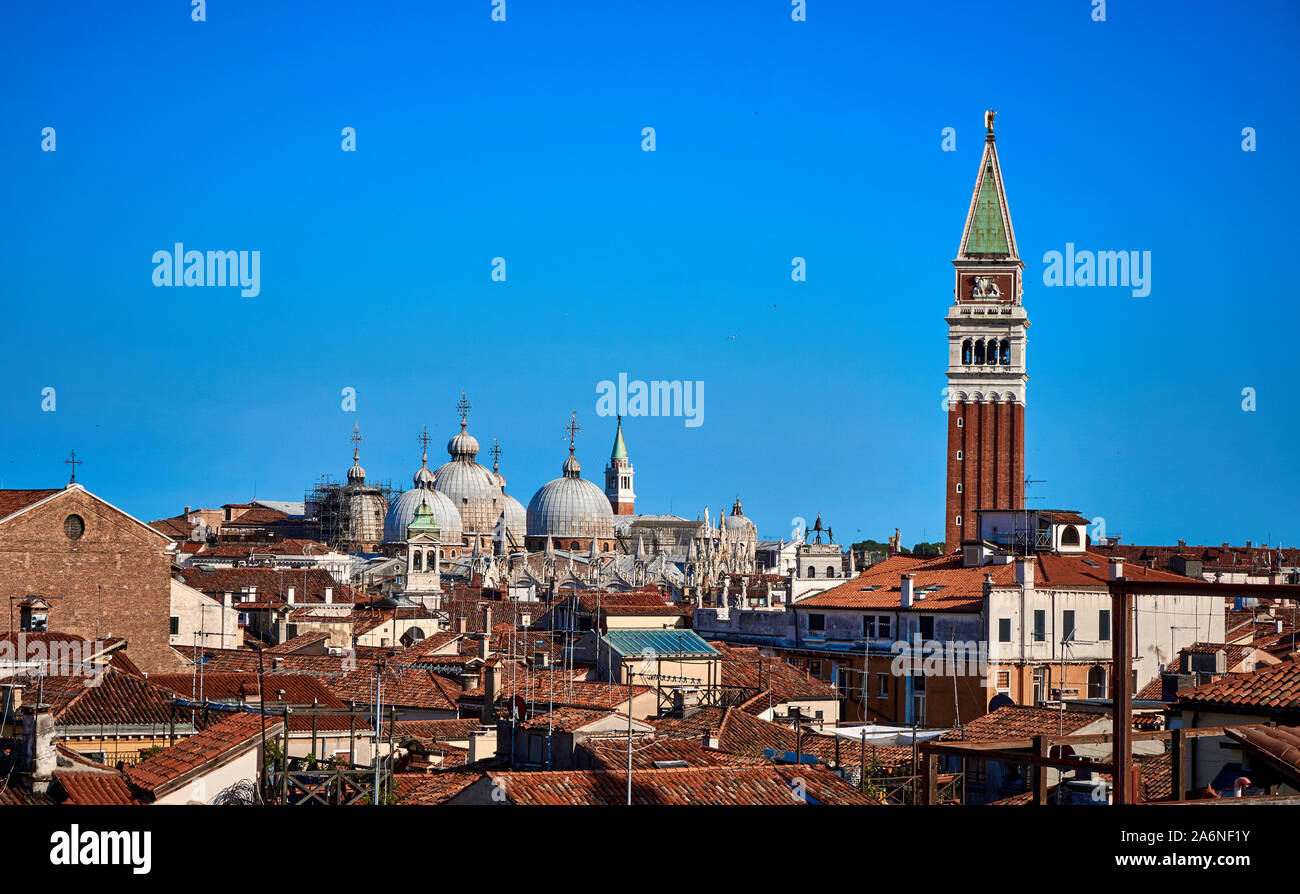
<point>463,408</point>
<point>495,451</point>
<point>74,462</point>
<point>573,428</point>
<point>424,439</point>
<point>356,435</point>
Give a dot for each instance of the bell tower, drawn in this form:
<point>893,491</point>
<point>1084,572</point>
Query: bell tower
<point>618,476</point>
<point>986,360</point>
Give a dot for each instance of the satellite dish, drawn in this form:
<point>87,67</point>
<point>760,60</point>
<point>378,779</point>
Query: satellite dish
<point>1001,700</point>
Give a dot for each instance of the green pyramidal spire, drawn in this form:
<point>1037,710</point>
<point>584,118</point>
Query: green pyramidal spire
<point>620,449</point>
<point>988,233</point>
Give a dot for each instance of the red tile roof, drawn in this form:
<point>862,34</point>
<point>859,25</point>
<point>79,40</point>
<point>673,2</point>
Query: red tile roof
<point>610,753</point>
<point>429,789</point>
<point>117,699</point>
<point>215,745</point>
<point>87,787</point>
<point>772,680</point>
<point>775,786</point>
<point>1021,722</point>
<point>1270,689</point>
<point>962,589</point>
<point>12,501</point>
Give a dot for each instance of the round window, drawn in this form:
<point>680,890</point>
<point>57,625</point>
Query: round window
<point>74,526</point>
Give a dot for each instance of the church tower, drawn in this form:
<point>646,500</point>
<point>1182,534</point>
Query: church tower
<point>986,360</point>
<point>618,476</point>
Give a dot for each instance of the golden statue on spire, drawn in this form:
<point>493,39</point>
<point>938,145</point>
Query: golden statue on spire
<point>989,115</point>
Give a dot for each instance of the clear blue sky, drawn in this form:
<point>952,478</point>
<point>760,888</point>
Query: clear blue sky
<point>775,139</point>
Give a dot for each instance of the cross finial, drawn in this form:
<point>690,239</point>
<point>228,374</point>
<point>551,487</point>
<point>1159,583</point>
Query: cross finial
<point>73,462</point>
<point>496,453</point>
<point>463,408</point>
<point>573,428</point>
<point>356,435</point>
<point>424,439</point>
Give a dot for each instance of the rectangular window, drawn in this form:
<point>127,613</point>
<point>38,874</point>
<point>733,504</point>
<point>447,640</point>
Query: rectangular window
<point>1040,626</point>
<point>175,625</point>
<point>817,622</point>
<point>1004,679</point>
<point>1004,630</point>
<point>1067,626</point>
<point>882,685</point>
<point>1103,625</point>
<point>815,668</point>
<point>875,626</point>
<point>927,627</point>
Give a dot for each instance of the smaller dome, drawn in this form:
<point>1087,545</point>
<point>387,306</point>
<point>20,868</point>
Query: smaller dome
<point>356,474</point>
<point>463,444</point>
<point>571,468</point>
<point>423,477</point>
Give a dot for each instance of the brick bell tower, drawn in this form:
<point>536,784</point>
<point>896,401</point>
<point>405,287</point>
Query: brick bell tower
<point>986,360</point>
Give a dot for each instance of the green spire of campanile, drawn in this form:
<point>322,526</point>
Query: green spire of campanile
<point>988,233</point>
<point>620,449</point>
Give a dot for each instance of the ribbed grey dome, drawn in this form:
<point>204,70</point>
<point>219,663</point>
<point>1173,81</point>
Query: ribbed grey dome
<point>570,506</point>
<point>516,518</point>
<point>737,523</point>
<point>403,510</point>
<point>472,487</point>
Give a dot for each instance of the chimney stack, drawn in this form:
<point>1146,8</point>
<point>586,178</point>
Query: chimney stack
<point>1116,569</point>
<point>329,595</point>
<point>1025,572</point>
<point>491,689</point>
<point>39,756</point>
<point>905,590</point>
<point>485,646</point>
<point>487,618</point>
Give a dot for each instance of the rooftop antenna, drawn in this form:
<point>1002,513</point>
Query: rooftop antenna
<point>1030,482</point>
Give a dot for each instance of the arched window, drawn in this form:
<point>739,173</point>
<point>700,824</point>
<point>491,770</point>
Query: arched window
<point>574,546</point>
<point>1096,681</point>
<point>417,560</point>
<point>966,351</point>
<point>1069,536</point>
<point>1005,352</point>
<point>442,554</point>
<point>830,570</point>
<point>812,572</point>
<point>991,352</point>
<point>604,547</point>
<point>979,351</point>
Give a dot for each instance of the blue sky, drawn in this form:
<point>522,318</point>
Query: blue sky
<point>774,139</point>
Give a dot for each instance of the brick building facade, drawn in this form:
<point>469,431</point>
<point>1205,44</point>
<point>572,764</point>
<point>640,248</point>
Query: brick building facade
<point>103,572</point>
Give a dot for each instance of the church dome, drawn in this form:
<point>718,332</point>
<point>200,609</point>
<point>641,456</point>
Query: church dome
<point>737,523</point>
<point>570,506</point>
<point>516,519</point>
<point>472,487</point>
<point>403,511</point>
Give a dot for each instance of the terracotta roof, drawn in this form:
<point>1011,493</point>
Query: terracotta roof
<point>695,724</point>
<point>118,699</point>
<point>566,720</point>
<point>775,786</point>
<point>452,729</point>
<point>1020,722</point>
<point>296,690</point>
<point>961,589</point>
<point>742,733</point>
<point>1279,746</point>
<point>611,754</point>
<point>306,642</point>
<point>12,501</point>
<point>773,680</point>
<point>1270,689</point>
<point>86,787</point>
<point>219,742</point>
<point>428,789</point>
<point>309,583</point>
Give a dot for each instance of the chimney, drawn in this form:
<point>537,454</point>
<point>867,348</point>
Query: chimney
<point>292,592</point>
<point>468,681</point>
<point>485,646</point>
<point>462,625</point>
<point>1247,544</point>
<point>482,745</point>
<point>187,513</point>
<point>1025,572</point>
<point>487,618</point>
<point>491,689</point>
<point>329,595</point>
<point>905,590</point>
<point>1116,569</point>
<point>226,599</point>
<point>12,699</point>
<point>542,659</point>
<point>39,756</point>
